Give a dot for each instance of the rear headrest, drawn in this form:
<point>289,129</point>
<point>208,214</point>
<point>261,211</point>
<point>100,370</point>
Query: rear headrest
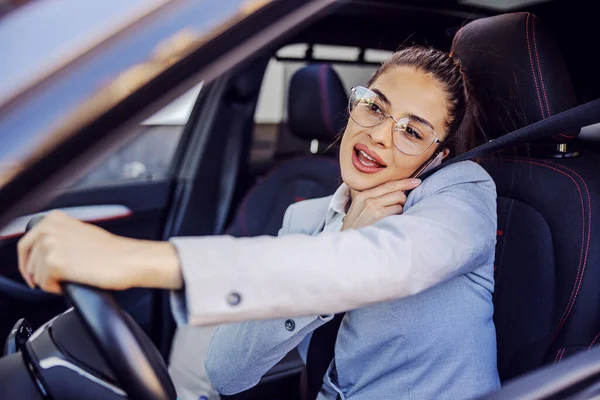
<point>317,103</point>
<point>517,72</point>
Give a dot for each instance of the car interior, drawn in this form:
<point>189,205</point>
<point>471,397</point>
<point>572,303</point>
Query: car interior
<point>539,272</point>
<point>233,173</point>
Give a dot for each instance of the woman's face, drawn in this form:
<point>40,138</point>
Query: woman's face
<point>404,92</point>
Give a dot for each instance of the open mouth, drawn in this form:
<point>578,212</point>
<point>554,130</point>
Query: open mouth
<point>365,161</point>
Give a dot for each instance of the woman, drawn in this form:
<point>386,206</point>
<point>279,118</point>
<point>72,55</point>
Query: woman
<point>416,271</point>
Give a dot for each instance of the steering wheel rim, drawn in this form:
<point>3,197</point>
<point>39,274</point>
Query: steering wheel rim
<point>137,365</point>
<point>120,346</point>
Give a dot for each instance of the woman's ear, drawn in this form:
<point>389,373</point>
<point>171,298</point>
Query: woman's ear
<point>445,153</point>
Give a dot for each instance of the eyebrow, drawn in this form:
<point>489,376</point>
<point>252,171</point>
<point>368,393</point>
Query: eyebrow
<point>421,120</point>
<point>383,97</point>
<point>413,116</point>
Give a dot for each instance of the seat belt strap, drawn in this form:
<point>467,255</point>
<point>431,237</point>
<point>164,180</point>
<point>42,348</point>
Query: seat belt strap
<point>569,120</point>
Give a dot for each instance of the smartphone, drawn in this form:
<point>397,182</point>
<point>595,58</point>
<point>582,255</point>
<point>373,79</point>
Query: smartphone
<point>434,161</point>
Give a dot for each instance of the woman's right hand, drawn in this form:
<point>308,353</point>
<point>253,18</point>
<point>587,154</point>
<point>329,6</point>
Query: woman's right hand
<point>369,206</point>
<point>61,248</point>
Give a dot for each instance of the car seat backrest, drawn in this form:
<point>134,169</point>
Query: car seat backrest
<point>316,110</point>
<point>516,70</point>
<point>547,302</point>
<point>317,103</point>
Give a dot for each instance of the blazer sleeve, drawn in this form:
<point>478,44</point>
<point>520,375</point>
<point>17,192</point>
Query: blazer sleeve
<point>179,307</point>
<point>448,229</point>
<point>241,353</point>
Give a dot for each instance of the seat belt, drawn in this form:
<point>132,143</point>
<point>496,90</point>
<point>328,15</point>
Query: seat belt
<point>321,347</point>
<point>571,119</point>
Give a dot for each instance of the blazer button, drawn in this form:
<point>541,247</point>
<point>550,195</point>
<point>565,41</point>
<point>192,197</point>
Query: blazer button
<point>234,298</point>
<point>290,325</point>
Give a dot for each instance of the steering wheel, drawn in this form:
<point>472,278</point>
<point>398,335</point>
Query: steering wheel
<point>135,361</point>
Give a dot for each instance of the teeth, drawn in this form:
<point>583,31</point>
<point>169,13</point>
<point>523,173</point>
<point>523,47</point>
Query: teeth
<point>365,155</point>
<point>364,163</point>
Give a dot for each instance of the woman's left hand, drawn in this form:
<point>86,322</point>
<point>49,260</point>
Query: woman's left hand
<point>369,206</point>
<point>62,248</point>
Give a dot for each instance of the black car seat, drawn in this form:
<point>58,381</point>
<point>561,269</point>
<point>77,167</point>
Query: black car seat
<point>317,107</point>
<point>547,300</point>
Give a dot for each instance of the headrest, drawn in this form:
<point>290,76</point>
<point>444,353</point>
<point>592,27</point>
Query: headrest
<point>317,103</point>
<point>517,72</point>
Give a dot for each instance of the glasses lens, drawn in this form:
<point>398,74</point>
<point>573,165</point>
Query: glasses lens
<point>412,136</point>
<point>365,107</point>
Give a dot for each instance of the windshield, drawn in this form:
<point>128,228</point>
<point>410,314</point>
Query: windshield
<point>65,61</point>
<point>43,34</point>
<point>40,36</point>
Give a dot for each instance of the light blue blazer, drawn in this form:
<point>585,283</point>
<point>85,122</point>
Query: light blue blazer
<point>434,340</point>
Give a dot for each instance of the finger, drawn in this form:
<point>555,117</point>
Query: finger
<point>62,219</point>
<point>24,249</point>
<point>33,267</point>
<point>23,260</point>
<point>57,216</point>
<point>388,211</point>
<point>47,282</point>
<point>391,199</point>
<point>52,286</point>
<point>384,212</point>
<point>394,210</point>
<point>28,278</point>
<point>42,273</point>
<point>388,187</point>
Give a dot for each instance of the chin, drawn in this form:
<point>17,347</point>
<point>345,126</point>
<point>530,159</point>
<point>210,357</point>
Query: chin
<point>356,181</point>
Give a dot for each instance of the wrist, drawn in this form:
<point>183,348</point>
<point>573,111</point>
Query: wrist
<point>153,264</point>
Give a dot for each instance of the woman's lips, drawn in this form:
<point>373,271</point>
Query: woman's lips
<point>370,154</point>
<point>364,162</point>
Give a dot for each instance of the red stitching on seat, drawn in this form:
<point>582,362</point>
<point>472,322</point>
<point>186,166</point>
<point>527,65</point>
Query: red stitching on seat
<point>562,354</point>
<point>539,65</point>
<point>594,341</point>
<point>324,104</point>
<point>587,246</point>
<point>537,88</point>
<point>580,271</point>
<point>557,353</point>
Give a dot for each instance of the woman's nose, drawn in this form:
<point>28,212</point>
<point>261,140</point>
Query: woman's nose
<point>381,135</point>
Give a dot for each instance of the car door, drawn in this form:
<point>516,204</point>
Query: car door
<point>128,193</point>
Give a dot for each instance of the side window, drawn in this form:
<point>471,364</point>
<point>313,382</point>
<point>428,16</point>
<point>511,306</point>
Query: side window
<point>272,139</point>
<point>149,156</point>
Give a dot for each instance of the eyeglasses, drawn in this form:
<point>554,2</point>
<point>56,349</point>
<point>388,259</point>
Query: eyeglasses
<point>410,135</point>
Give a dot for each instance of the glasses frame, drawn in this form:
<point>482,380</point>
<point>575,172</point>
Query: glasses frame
<point>397,122</point>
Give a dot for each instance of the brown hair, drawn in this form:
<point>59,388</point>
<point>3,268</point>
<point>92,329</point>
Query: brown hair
<point>462,121</point>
